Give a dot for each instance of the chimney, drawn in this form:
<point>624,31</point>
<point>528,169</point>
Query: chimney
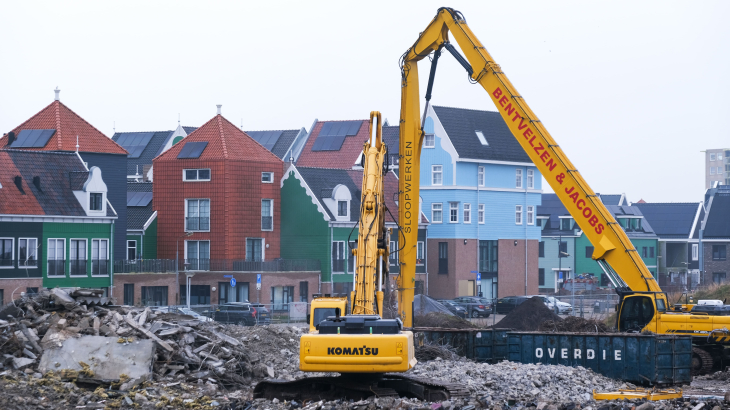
<point>37,182</point>
<point>57,91</point>
<point>11,138</point>
<point>219,108</point>
<point>19,183</point>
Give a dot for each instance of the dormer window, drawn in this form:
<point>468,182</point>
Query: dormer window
<point>341,208</point>
<point>338,202</point>
<point>95,201</point>
<point>566,224</point>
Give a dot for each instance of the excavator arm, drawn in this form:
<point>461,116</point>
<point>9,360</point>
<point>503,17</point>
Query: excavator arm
<point>613,249</point>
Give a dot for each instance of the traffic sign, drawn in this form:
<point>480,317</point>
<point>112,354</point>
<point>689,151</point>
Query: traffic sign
<point>233,282</point>
<point>474,271</point>
<point>227,276</point>
<point>479,276</point>
<point>258,281</point>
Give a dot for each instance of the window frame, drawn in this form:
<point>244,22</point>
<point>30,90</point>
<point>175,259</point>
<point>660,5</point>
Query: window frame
<point>695,251</point>
<point>86,257</point>
<point>481,176</point>
<point>197,175</point>
<point>420,253</point>
<point>518,178</point>
<point>531,214</point>
<point>12,253</point>
<point>198,241</point>
<point>541,249</point>
<point>93,202</point>
<point>393,254</point>
<point>446,259</point>
<point>35,252</point>
<point>271,211</point>
<point>271,177</point>
<point>530,179</point>
<point>441,210</point>
<point>712,170</point>
<point>466,213</point>
<point>99,259</point>
<point>347,211</point>
<point>433,140</point>
<point>518,215</point>
<point>48,259</point>
<point>187,205</point>
<point>589,251</point>
<point>341,247</point>
<point>135,249</point>
<point>721,249</point>
<point>439,172</point>
<point>263,249</point>
<point>453,213</point>
<point>712,157</point>
<point>481,214</point>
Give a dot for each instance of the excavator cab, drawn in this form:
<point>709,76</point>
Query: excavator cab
<point>638,311</point>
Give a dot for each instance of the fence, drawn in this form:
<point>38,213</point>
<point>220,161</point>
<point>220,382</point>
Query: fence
<point>216,265</point>
<point>265,313</point>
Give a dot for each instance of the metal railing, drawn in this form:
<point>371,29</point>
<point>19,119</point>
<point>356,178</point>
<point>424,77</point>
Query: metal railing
<point>78,266</point>
<point>216,265</point>
<point>265,313</point>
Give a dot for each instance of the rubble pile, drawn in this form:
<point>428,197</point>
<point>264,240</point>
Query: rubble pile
<point>527,316</point>
<point>575,324</point>
<point>427,350</point>
<point>441,320</point>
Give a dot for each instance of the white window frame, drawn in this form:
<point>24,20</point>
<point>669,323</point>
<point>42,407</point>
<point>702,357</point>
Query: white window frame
<point>695,251</point>
<point>263,247</point>
<point>106,257</point>
<point>347,208</point>
<point>530,214</point>
<point>271,178</point>
<point>12,253</point>
<point>136,250</point>
<point>453,212</point>
<point>518,178</point>
<point>210,211</point>
<point>467,213</point>
<point>86,257</point>
<point>101,203</point>
<point>55,240</point>
<point>480,176</point>
<point>440,209</point>
<point>530,179</point>
<point>393,254</point>
<point>199,258</point>
<point>420,253</point>
<point>712,170</point>
<point>197,174</point>
<point>719,157</point>
<point>35,252</point>
<point>437,170</point>
<point>720,171</point>
<point>481,213</point>
<point>271,209</point>
<point>712,157</point>
<point>426,140</point>
<point>518,214</point>
<point>482,138</point>
<point>344,265</point>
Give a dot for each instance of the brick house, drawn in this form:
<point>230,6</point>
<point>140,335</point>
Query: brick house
<point>714,236</point>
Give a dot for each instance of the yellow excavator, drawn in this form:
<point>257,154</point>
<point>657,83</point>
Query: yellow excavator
<point>368,350</point>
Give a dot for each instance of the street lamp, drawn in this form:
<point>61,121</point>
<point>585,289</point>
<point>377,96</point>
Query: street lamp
<point>177,268</point>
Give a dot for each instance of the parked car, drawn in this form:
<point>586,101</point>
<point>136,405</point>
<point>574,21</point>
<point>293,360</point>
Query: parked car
<point>506,305</point>
<point>191,312</point>
<point>555,305</point>
<point>239,313</point>
<point>263,316</point>
<point>454,308</point>
<point>475,306</point>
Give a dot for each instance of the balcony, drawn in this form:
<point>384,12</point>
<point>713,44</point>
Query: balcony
<point>99,267</point>
<point>197,223</point>
<point>216,265</point>
<point>56,267</point>
<point>6,262</point>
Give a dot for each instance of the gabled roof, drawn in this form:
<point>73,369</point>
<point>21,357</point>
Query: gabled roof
<point>224,141</point>
<point>56,170</point>
<point>670,220</point>
<point>717,223</point>
<point>150,150</point>
<point>280,141</point>
<point>613,199</point>
<point>344,158</point>
<point>137,216</point>
<point>461,125</point>
<point>554,209</point>
<point>68,126</point>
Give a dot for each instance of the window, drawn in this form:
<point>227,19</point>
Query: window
<point>480,176</point>
<point>531,215</point>
<point>254,250</point>
<point>99,257</point>
<point>129,294</point>
<point>131,250</point>
<point>198,255</point>
<point>352,259</point>
<point>6,253</point>
<point>651,251</point>
<point>712,157</point>
<point>719,170</point>
<point>429,141</point>
<point>644,252</point>
<point>436,214</point>
<point>541,277</point>
<point>341,208</point>
<point>712,170</point>
<point>480,135</point>
<point>95,199</point>
<point>227,294</point>
<point>518,178</point>
<point>267,177</point>
<point>695,251</point>
<point>198,215</point>
<point>719,277</point>
<point>196,175</point>
<point>281,296</point>
<point>420,253</point>
<point>467,213</point>
<point>27,252</point>
<point>563,249</point>
<point>78,257</point>
<point>436,175</point>
<point>31,291</point>
<point>719,252</point>
<point>154,295</point>
<point>541,249</point>
<point>56,257</point>
<point>719,157</point>
<point>589,252</point>
<point>303,291</point>
<point>393,257</point>
<point>566,224</point>
<point>480,213</point>
<point>488,256</point>
<point>444,258</point>
<point>530,179</point>
<point>199,294</point>
<point>267,214</point>
<point>518,214</point>
<point>338,256</point>
<point>453,212</point>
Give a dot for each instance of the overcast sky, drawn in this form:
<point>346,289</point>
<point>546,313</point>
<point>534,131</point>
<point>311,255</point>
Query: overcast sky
<point>632,91</point>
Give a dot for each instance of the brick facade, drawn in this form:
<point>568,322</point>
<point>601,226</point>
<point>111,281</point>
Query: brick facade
<point>11,288</point>
<point>715,266</point>
<point>512,267</point>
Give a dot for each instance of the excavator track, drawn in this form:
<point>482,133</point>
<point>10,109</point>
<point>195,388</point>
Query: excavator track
<point>701,361</point>
<point>358,387</point>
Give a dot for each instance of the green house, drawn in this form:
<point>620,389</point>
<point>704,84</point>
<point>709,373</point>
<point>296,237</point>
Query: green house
<point>319,214</point>
<point>56,223</point>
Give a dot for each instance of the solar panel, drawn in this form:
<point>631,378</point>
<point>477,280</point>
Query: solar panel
<point>332,135</point>
<point>32,138</point>
<point>139,198</point>
<point>135,142</point>
<point>192,149</point>
<point>266,138</point>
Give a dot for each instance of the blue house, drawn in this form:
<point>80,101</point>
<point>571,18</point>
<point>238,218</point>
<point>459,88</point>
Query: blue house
<point>480,192</point>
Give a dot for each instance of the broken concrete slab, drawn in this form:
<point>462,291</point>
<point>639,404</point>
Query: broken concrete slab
<point>106,358</point>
